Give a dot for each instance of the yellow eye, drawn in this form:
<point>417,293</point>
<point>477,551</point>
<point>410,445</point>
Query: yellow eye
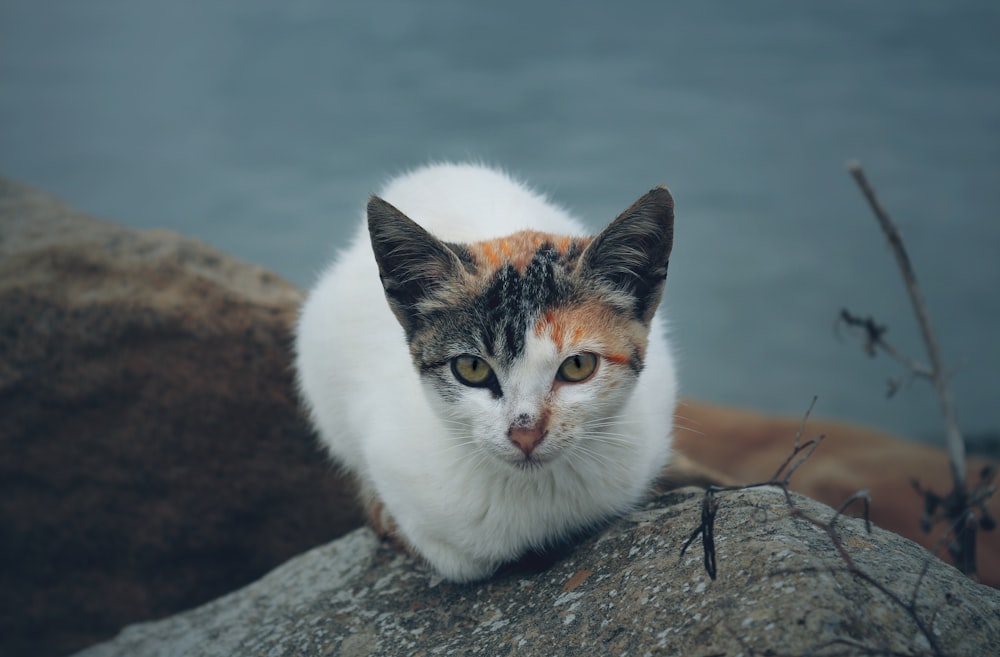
<point>471,370</point>
<point>577,368</point>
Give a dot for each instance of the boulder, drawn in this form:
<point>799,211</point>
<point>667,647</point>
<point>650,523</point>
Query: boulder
<point>782,589</point>
<point>152,456</point>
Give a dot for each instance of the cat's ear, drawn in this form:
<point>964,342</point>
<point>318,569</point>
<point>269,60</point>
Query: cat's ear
<point>631,254</point>
<point>412,263</point>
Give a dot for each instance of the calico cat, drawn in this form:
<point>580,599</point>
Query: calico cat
<point>495,378</point>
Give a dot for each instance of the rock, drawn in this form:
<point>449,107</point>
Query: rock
<point>152,457</point>
<point>151,453</point>
<point>782,588</point>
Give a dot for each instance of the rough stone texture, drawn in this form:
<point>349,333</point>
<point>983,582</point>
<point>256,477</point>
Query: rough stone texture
<point>782,589</point>
<point>151,453</point>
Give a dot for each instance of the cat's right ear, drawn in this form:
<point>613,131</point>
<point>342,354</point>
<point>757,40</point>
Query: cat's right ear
<point>412,263</point>
<point>631,255</point>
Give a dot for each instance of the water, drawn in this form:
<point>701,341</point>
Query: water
<point>261,127</point>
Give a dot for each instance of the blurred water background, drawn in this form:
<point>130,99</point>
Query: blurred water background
<point>261,127</point>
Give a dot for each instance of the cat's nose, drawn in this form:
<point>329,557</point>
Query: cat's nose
<point>527,438</point>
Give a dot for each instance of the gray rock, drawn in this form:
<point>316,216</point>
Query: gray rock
<point>782,589</point>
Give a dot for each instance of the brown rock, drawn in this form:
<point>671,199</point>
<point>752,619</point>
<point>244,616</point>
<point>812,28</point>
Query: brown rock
<point>151,453</point>
<point>745,447</point>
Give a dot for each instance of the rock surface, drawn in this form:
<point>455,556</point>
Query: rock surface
<point>151,453</point>
<point>781,589</point>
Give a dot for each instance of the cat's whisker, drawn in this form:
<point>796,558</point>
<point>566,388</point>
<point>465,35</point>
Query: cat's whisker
<point>456,446</point>
<point>587,456</point>
<point>617,424</point>
<point>610,434</point>
<point>631,418</point>
<point>624,426</point>
<point>612,440</point>
<point>697,432</point>
<point>678,416</point>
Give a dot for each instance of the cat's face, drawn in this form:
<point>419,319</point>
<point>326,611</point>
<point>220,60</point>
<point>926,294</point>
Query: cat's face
<point>529,345</point>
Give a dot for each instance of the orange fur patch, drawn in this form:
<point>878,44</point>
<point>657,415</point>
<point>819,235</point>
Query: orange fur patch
<point>592,324</point>
<point>587,325</point>
<point>519,249</point>
<point>488,250</point>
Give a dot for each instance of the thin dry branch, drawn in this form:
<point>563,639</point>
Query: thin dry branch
<point>962,523</point>
<point>956,446</point>
<point>875,340</point>
<point>958,507</point>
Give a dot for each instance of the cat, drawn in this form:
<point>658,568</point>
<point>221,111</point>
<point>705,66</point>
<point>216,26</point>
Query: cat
<point>496,379</point>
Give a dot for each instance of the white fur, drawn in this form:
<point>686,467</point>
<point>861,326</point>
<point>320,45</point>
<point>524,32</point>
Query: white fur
<point>447,477</point>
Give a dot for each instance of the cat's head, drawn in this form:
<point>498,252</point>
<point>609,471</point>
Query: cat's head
<point>528,345</point>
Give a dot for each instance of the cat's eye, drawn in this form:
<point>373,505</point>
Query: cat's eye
<point>471,370</point>
<point>577,368</point>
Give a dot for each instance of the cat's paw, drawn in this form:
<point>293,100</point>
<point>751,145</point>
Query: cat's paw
<point>459,568</point>
<point>448,561</point>
<point>455,565</point>
<point>385,527</point>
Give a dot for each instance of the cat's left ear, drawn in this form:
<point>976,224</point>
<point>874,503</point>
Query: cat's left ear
<point>631,255</point>
<point>412,263</point>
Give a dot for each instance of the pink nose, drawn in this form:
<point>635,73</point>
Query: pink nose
<point>527,438</point>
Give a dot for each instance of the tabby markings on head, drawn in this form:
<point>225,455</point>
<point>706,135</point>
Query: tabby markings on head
<point>516,278</point>
<point>528,280</point>
<point>520,249</point>
<point>487,298</point>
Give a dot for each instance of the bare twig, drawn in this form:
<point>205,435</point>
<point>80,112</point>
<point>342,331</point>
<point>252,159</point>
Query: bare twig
<point>798,448</point>
<point>962,523</point>
<point>709,507</point>
<point>956,446</point>
<point>875,339</point>
<point>960,505</point>
<point>866,497</point>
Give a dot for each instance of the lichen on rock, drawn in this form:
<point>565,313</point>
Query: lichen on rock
<point>782,587</point>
